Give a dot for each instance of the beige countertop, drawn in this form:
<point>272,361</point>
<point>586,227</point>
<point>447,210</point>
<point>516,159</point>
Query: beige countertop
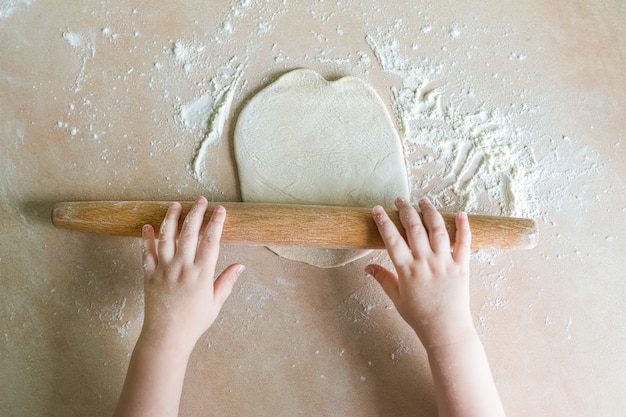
<point>114,100</point>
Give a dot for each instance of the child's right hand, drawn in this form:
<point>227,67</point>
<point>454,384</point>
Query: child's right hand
<point>431,290</point>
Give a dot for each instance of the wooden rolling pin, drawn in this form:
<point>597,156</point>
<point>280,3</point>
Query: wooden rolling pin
<point>283,224</point>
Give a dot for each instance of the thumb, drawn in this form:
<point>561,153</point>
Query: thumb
<point>223,285</point>
<point>387,279</point>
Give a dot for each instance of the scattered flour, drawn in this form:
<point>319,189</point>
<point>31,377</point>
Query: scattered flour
<point>197,112</point>
<point>113,315</point>
<point>8,7</point>
<point>261,15</point>
<point>85,50</point>
<point>471,160</point>
<point>188,53</point>
<point>463,160</point>
<point>74,39</point>
<point>209,112</point>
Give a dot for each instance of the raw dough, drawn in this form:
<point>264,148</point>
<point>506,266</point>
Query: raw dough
<point>305,140</point>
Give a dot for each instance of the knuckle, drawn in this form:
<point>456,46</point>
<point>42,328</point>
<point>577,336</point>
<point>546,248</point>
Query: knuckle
<point>394,241</point>
<point>211,236</point>
<point>187,232</point>
<point>416,228</point>
<point>438,230</point>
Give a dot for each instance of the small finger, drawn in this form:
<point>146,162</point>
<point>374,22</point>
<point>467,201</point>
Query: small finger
<point>190,232</point>
<point>209,247</point>
<point>387,280</point>
<point>167,232</point>
<point>397,247</point>
<point>416,234</point>
<point>150,259</point>
<point>462,240</point>
<point>436,227</point>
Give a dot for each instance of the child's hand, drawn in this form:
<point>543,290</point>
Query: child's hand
<point>431,290</point>
<point>181,298</point>
<point>181,303</point>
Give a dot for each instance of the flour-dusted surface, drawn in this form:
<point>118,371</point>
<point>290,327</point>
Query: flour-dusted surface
<point>305,140</point>
<point>464,158</point>
<point>500,108</point>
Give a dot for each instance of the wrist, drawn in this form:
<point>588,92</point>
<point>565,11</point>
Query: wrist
<point>438,334</point>
<point>161,343</point>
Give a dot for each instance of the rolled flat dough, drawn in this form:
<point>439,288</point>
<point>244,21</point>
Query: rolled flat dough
<point>306,140</point>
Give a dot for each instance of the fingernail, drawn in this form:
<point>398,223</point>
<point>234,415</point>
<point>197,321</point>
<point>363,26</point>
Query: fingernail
<point>201,199</point>
<point>377,214</point>
<point>369,270</point>
<point>240,269</point>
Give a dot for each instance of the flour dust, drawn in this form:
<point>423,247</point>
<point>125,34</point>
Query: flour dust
<point>476,160</point>
<point>8,7</point>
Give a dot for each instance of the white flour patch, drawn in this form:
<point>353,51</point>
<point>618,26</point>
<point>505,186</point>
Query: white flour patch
<point>209,112</point>
<point>196,113</point>
<point>113,316</point>
<point>472,160</point>
<point>74,39</point>
<point>85,50</point>
<point>8,7</point>
<point>188,54</point>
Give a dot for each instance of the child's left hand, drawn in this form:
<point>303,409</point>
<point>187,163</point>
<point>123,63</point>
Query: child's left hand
<point>181,298</point>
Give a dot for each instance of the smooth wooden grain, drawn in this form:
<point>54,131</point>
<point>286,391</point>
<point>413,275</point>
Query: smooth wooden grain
<point>283,224</point>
